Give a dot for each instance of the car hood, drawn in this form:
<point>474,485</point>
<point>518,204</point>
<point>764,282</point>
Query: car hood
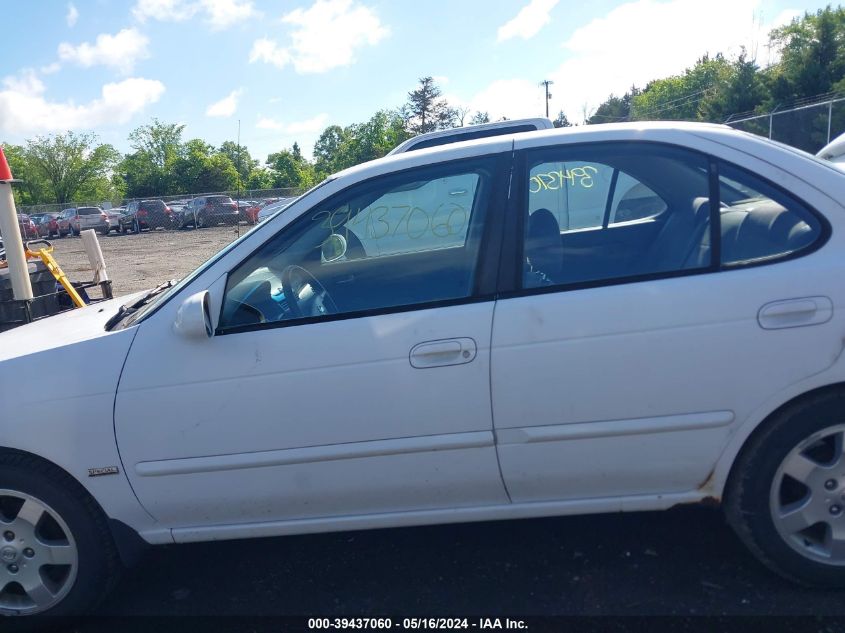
<point>60,330</point>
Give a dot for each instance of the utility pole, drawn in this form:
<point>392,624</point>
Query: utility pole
<point>238,201</point>
<point>546,83</point>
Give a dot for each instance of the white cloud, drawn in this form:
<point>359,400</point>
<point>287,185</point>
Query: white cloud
<point>309,126</point>
<point>72,15</point>
<point>268,51</point>
<point>513,98</point>
<point>219,14</point>
<point>119,51</point>
<point>528,21</point>
<point>49,69</point>
<point>325,36</point>
<point>164,10</point>
<point>26,83</point>
<point>227,106</point>
<point>25,110</point>
<point>224,13</point>
<point>650,39</point>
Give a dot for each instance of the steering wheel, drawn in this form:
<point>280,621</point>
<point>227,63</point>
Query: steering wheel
<point>305,295</point>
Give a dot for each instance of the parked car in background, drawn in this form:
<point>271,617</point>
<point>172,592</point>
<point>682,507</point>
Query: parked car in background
<point>47,224</point>
<point>242,206</point>
<point>115,213</point>
<point>27,226</point>
<point>90,218</point>
<point>834,152</point>
<point>180,218</point>
<point>64,221</point>
<point>145,214</point>
<point>252,211</point>
<point>213,210</point>
<point>268,210</point>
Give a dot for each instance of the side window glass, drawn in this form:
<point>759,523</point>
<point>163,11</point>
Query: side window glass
<point>609,211</point>
<point>759,222</point>
<point>632,200</point>
<point>393,241</point>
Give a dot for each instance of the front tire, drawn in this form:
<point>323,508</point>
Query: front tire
<point>786,494</point>
<point>57,553</point>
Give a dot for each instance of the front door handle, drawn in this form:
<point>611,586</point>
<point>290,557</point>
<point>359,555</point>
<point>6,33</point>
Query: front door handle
<point>451,351</point>
<point>795,313</point>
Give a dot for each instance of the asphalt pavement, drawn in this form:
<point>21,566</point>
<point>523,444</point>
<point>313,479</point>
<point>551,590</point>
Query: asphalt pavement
<point>684,562</point>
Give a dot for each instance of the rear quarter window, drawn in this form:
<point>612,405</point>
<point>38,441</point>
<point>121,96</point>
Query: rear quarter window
<point>759,222</point>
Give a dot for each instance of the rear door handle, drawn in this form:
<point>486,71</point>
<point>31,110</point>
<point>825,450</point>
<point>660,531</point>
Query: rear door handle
<point>443,352</point>
<point>795,313</point>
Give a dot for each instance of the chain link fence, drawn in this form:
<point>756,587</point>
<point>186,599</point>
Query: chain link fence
<point>808,126</point>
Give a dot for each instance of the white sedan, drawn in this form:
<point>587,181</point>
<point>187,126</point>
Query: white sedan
<point>596,319</point>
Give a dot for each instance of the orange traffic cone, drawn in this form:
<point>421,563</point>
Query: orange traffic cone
<point>5,171</point>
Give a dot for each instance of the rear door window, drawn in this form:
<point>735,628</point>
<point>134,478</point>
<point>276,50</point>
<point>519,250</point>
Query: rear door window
<point>612,211</point>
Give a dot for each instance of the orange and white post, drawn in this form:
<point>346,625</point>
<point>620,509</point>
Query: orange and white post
<point>10,230</point>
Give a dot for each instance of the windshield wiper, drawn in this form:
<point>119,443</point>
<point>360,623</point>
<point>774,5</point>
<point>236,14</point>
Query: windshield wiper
<point>127,309</point>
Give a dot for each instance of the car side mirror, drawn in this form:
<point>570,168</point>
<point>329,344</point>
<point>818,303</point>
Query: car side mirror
<point>193,319</point>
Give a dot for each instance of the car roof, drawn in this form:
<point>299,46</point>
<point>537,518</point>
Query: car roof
<point>443,135</point>
<point>711,138</point>
<point>506,142</point>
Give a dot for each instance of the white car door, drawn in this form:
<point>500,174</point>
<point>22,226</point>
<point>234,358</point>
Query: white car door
<point>349,374</point>
<point>627,349</point>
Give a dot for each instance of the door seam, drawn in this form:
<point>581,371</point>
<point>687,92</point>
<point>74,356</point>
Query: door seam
<point>492,411</point>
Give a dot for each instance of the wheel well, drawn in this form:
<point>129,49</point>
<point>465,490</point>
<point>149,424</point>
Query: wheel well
<point>128,542</point>
<point>761,428</point>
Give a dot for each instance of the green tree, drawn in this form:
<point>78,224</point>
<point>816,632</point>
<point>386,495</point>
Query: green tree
<point>259,178</point>
<point>199,168</point>
<point>33,187</point>
<point>615,108</point>
<point>561,120</point>
<point>68,163</point>
<point>159,141</point>
<point>425,110</point>
<point>291,170</point>
<point>743,91</point>
<point>812,52</point>
<point>679,97</point>
<point>149,170</point>
<point>240,157</point>
<point>338,148</point>
<point>327,149</point>
<point>371,139</point>
<point>480,117</point>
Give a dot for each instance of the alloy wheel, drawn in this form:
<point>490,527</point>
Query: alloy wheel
<point>38,554</point>
<point>807,497</point>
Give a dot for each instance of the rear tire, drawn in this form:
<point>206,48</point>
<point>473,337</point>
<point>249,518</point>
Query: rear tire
<point>786,492</point>
<point>63,549</point>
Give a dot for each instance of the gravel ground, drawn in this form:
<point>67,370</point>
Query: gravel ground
<point>139,262</point>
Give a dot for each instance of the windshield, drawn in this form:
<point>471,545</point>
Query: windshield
<point>173,290</point>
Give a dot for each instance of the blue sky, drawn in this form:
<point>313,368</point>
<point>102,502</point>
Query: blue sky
<point>286,69</point>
